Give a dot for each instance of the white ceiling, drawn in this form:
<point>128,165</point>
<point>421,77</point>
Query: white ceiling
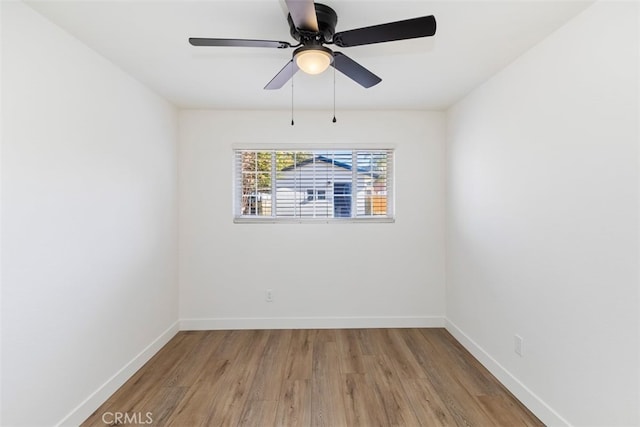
<point>148,39</point>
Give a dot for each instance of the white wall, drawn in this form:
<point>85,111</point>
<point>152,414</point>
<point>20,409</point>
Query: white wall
<point>89,222</point>
<point>322,275</point>
<point>542,189</point>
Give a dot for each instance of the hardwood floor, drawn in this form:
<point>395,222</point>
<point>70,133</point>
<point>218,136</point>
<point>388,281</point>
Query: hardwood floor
<point>344,377</point>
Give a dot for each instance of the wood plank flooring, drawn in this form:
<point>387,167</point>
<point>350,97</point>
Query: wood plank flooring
<point>327,377</point>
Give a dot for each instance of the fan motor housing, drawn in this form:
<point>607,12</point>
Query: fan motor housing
<point>327,20</point>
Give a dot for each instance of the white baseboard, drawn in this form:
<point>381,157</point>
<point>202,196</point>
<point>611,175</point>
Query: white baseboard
<point>544,412</point>
<point>98,397</point>
<point>312,323</point>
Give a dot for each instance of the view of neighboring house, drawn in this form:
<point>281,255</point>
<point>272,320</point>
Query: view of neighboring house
<point>322,186</point>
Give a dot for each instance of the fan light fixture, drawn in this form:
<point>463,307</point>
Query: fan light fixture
<point>313,59</point>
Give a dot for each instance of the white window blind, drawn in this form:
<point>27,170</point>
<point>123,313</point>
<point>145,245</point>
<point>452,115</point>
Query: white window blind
<point>278,185</point>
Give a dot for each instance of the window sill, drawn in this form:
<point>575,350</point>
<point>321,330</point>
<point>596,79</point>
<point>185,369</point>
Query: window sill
<point>269,220</point>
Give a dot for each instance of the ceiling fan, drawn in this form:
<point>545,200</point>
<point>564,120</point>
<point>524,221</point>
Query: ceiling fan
<point>313,26</point>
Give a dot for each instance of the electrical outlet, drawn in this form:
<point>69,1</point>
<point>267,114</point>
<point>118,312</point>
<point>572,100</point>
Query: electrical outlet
<point>518,345</point>
<point>268,295</point>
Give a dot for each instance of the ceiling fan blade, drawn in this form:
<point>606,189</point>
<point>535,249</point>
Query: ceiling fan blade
<point>238,43</point>
<point>303,14</point>
<point>354,71</point>
<point>283,76</point>
<point>424,26</point>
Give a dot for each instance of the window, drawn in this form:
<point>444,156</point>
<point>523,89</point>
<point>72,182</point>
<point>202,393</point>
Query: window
<point>315,194</point>
<point>274,185</point>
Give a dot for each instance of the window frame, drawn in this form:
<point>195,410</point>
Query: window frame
<point>390,178</point>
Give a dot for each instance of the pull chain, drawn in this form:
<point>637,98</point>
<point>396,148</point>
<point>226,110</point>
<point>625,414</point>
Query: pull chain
<point>292,73</point>
<point>334,93</point>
